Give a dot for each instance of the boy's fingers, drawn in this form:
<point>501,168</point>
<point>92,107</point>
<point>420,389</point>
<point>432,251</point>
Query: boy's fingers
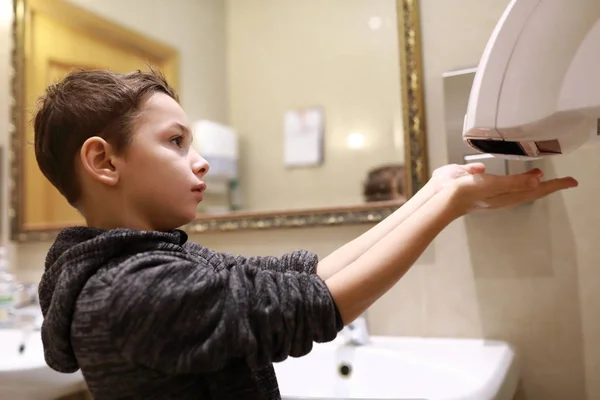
<point>542,190</point>
<point>521,182</point>
<point>474,168</point>
<point>557,184</point>
<point>497,185</point>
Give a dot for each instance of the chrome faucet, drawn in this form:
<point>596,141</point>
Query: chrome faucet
<point>356,333</point>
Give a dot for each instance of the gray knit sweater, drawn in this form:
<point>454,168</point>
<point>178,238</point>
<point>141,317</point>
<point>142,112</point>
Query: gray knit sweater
<point>147,315</point>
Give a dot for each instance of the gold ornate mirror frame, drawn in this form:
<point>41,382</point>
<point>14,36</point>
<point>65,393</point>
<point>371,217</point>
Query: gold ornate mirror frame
<point>415,145</point>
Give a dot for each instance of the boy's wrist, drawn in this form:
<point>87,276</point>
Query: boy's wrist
<point>446,195</point>
<point>452,201</point>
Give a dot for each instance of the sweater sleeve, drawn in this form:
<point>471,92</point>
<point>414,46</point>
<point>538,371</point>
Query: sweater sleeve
<point>298,260</point>
<point>178,316</point>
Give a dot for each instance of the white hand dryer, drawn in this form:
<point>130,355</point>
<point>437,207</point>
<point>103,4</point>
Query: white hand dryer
<point>536,92</point>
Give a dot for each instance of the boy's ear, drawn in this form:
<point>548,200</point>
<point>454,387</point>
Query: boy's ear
<point>97,159</point>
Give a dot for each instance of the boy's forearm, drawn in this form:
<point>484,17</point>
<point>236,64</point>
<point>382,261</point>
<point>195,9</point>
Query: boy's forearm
<point>351,251</point>
<point>361,283</point>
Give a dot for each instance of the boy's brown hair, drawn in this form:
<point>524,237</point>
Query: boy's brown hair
<point>83,104</point>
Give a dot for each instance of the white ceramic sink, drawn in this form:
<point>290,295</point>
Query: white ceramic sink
<point>26,376</point>
<point>402,368</point>
<point>388,368</point>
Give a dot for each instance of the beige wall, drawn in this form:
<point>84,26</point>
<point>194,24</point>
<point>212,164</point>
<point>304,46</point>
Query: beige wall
<point>291,54</point>
<point>528,276</point>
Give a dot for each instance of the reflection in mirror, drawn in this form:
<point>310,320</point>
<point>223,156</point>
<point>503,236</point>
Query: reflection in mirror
<point>314,94</point>
<point>297,104</point>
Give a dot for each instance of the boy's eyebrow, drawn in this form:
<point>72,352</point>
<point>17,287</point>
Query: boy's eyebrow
<point>184,129</point>
<point>181,127</point>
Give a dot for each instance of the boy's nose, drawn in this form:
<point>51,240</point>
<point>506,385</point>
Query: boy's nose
<point>199,165</point>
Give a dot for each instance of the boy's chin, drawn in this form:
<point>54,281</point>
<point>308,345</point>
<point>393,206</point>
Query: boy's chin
<point>175,222</point>
<point>188,218</point>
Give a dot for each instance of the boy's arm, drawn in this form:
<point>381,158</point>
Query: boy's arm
<point>172,314</point>
<point>360,284</point>
<point>348,253</point>
<point>352,250</point>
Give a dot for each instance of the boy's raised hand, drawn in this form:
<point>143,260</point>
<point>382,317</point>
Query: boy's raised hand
<point>442,176</point>
<point>472,189</point>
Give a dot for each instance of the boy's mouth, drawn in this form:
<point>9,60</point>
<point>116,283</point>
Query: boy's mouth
<point>199,188</point>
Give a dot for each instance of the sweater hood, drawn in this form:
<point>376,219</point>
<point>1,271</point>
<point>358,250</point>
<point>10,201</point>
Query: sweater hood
<point>75,256</point>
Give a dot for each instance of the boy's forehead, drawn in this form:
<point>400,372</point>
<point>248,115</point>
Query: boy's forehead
<point>159,108</point>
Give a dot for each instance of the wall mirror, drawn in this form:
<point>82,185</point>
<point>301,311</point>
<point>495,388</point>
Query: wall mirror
<point>310,112</point>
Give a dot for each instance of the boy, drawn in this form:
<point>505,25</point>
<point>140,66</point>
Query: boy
<point>147,315</point>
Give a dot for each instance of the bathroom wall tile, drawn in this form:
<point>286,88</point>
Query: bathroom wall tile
<point>541,318</point>
<point>450,306</point>
<point>401,311</point>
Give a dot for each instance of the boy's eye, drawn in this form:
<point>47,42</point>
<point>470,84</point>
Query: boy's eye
<point>177,141</point>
